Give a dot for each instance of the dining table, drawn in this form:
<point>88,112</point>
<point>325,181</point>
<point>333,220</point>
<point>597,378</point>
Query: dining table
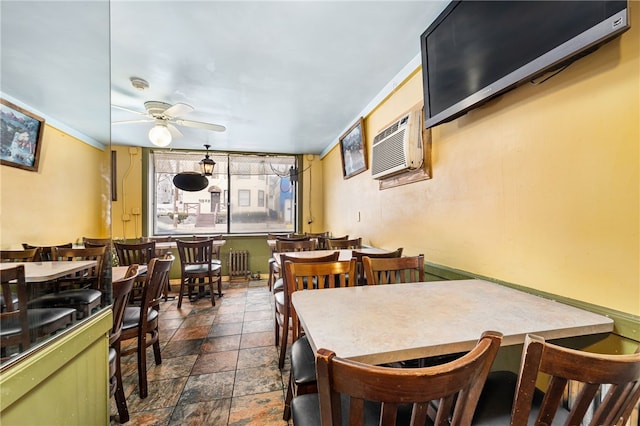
<point>379,324</point>
<point>118,272</point>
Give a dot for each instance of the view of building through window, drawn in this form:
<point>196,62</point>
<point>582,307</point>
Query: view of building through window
<point>245,194</point>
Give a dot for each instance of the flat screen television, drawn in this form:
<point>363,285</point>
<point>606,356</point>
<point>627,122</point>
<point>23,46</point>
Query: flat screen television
<point>476,50</point>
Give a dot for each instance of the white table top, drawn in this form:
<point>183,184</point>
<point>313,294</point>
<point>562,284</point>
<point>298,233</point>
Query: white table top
<point>385,323</point>
<point>37,272</point>
<point>344,253</point>
<point>118,272</point>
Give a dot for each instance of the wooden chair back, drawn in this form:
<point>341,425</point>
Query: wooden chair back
<point>394,270</point>
<point>315,275</point>
<point>121,292</point>
<point>296,245</point>
<point>135,253</point>
<point>44,252</point>
<point>320,237</point>
<point>193,253</point>
<point>95,242</point>
<point>348,244</point>
<point>14,315</point>
<point>292,237</point>
<point>94,274</point>
<point>620,372</point>
<point>456,385</point>
<point>358,255</point>
<point>26,255</point>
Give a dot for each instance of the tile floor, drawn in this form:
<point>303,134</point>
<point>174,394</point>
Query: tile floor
<point>219,364</point>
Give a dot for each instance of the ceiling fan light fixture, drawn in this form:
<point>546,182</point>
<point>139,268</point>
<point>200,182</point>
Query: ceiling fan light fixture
<point>207,164</point>
<point>160,135</point>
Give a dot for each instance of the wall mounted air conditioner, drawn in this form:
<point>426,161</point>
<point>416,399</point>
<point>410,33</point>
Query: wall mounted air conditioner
<point>398,147</point>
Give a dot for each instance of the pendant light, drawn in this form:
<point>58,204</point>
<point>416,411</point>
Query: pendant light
<point>207,164</point>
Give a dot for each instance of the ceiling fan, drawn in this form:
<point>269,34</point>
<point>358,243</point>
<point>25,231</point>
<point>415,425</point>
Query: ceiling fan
<point>166,118</point>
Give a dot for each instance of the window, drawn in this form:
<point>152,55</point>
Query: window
<point>244,198</point>
<point>225,204</point>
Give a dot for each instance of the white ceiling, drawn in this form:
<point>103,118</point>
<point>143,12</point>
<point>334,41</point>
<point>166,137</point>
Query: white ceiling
<point>285,77</point>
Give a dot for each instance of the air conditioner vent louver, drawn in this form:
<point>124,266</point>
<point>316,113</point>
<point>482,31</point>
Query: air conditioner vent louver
<point>390,154</point>
<point>398,147</point>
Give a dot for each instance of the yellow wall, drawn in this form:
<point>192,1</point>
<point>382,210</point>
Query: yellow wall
<point>65,200</point>
<point>539,187</point>
<point>129,193</point>
<point>311,194</point>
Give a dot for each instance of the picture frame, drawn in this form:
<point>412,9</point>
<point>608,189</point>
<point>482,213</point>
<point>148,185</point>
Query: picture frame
<point>20,137</point>
<point>353,150</point>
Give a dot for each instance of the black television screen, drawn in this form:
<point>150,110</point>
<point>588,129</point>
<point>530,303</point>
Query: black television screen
<point>476,50</point>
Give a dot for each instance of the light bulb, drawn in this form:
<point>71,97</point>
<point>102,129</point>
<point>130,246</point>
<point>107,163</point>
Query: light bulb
<point>159,135</point>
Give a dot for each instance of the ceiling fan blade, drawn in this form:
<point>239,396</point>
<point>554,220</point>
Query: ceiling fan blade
<point>177,110</point>
<point>128,110</point>
<point>131,121</point>
<point>200,125</point>
<point>175,133</point>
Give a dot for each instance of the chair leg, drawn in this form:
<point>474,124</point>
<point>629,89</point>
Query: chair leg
<point>180,293</point>
<point>142,366</point>
<point>213,300</point>
<point>283,343</point>
<point>277,328</point>
<point>287,400</point>
<point>220,285</point>
<point>121,401</point>
<point>156,352</point>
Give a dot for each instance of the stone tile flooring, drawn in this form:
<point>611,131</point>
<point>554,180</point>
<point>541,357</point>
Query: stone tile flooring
<point>219,364</point>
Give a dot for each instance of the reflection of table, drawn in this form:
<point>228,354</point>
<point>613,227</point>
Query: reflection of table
<point>385,323</point>
<point>118,272</point>
<point>38,272</point>
<point>344,253</point>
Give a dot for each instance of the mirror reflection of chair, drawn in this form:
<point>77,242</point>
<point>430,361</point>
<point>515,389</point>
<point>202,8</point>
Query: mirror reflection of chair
<point>141,322</point>
<point>196,265</point>
<point>609,388</point>
<point>86,296</point>
<point>309,276</point>
<point>136,253</point>
<point>26,255</point>
<point>354,393</point>
<point>41,322</point>
<point>121,292</point>
<point>45,251</point>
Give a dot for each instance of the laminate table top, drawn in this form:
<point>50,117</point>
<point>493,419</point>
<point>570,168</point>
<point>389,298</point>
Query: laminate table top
<point>395,322</point>
<point>38,272</point>
<point>118,272</point>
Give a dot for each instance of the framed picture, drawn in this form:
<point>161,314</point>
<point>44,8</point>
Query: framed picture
<point>20,137</point>
<point>353,150</point>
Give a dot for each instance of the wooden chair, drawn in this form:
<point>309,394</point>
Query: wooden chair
<point>282,304</point>
<point>41,322</point>
<point>92,242</point>
<point>309,276</point>
<point>27,255</point>
<point>196,264</point>
<point>45,251</point>
<point>354,393</point>
<point>139,253</point>
<point>347,244</point>
<point>358,255</point>
<point>121,291</point>
<point>320,237</point>
<point>615,378</point>
<point>14,320</point>
<point>141,322</point>
<point>288,246</point>
<point>88,296</point>
<point>391,271</point>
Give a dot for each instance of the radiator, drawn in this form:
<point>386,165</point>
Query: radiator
<point>239,265</point>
